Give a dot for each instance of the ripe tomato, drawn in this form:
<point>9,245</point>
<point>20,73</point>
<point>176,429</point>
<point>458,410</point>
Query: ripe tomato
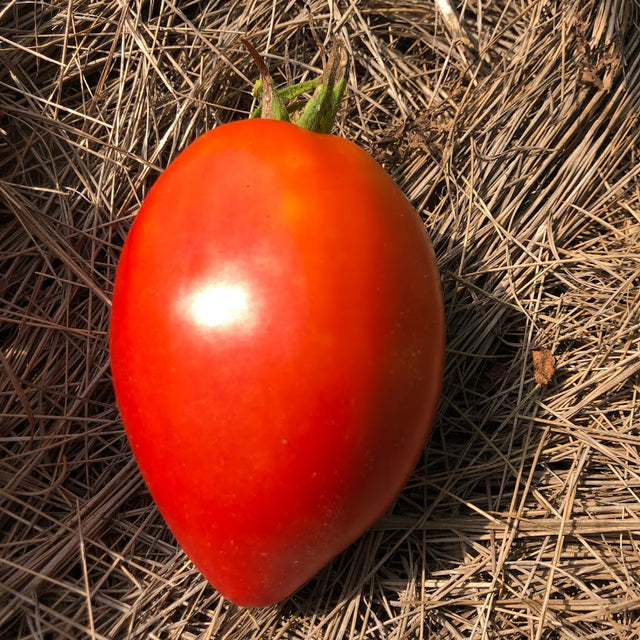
<point>277,343</point>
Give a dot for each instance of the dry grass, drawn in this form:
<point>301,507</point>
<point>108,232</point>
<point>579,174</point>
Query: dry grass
<point>518,142</point>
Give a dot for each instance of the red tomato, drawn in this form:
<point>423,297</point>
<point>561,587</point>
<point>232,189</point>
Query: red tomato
<point>277,341</point>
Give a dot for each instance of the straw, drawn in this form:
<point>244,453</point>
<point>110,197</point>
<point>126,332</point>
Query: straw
<point>519,147</point>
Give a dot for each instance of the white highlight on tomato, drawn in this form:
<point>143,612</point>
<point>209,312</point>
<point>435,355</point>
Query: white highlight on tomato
<point>220,305</point>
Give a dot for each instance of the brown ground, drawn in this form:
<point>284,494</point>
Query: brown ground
<point>515,134</point>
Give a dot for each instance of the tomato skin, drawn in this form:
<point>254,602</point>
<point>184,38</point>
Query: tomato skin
<point>277,346</point>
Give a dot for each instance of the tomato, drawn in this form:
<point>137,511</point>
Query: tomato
<point>277,340</point>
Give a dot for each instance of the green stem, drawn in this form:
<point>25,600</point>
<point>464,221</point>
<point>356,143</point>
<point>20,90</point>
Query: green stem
<point>320,112</point>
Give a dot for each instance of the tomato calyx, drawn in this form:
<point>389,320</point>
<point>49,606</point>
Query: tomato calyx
<point>319,113</point>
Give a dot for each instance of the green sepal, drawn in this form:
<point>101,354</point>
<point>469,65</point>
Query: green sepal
<point>286,94</point>
<point>320,113</point>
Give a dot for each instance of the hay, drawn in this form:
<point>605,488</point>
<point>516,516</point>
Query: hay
<point>518,143</point>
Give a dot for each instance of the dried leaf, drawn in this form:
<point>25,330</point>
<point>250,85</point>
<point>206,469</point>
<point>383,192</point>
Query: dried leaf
<point>543,365</point>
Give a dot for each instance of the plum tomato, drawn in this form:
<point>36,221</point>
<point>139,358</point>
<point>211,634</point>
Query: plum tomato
<point>277,345</point>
